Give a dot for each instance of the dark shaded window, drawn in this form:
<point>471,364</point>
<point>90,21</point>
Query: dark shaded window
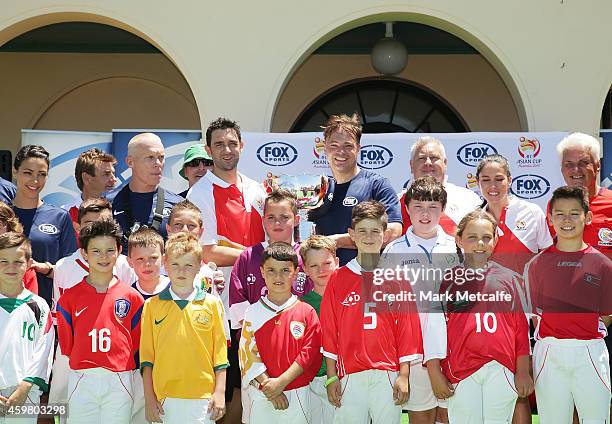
<point>384,106</point>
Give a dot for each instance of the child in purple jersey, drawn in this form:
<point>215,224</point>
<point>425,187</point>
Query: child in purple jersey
<point>246,284</point>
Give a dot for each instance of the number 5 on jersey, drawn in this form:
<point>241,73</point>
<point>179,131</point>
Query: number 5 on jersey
<point>369,317</point>
<point>100,340</point>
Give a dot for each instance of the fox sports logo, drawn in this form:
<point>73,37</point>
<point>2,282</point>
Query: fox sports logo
<point>530,186</point>
<point>472,153</point>
<point>277,153</point>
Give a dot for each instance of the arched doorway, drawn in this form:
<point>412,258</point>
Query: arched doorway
<point>384,106</point>
<point>91,74</point>
<point>440,61</point>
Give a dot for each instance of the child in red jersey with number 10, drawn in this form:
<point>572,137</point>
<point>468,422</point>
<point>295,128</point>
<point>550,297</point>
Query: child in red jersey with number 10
<point>98,324</point>
<point>487,360</point>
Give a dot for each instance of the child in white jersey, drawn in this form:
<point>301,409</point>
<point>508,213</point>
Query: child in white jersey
<point>26,333</point>
<point>425,246</point>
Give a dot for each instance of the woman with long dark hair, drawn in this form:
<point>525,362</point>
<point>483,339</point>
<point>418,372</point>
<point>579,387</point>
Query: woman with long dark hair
<point>48,227</point>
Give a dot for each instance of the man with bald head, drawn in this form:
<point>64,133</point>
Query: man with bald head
<point>143,201</point>
<point>428,158</point>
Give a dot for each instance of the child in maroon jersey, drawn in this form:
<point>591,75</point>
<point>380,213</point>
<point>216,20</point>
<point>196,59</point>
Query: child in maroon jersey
<point>571,295</point>
<point>487,361</point>
<point>280,345</point>
<point>98,324</point>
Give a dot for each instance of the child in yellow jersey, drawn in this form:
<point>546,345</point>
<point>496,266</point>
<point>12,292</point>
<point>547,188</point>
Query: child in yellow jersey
<point>183,351</point>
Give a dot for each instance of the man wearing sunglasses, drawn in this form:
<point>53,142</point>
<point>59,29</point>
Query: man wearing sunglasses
<point>196,164</point>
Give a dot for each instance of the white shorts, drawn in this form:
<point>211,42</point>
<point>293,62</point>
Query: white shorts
<point>247,403</point>
<point>570,372</point>
<point>138,408</point>
<point>58,392</point>
<point>33,399</point>
<point>183,411</point>
<point>422,397</point>
<point>321,411</point>
<point>487,396</point>
<point>298,412</point>
<point>99,395</point>
<point>368,394</point>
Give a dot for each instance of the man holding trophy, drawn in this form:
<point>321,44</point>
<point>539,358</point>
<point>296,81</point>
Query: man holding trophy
<point>350,185</point>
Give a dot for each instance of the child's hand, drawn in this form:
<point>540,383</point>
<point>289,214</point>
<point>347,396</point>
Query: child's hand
<point>280,402</point>
<point>153,410</point>
<point>216,406</point>
<point>523,383</point>
<point>440,385</point>
<point>334,393</point>
<point>272,387</point>
<point>401,390</point>
<point>19,396</point>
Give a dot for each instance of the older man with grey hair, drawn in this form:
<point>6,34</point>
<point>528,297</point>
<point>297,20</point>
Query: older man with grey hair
<point>428,158</point>
<point>143,201</point>
<point>580,166</point>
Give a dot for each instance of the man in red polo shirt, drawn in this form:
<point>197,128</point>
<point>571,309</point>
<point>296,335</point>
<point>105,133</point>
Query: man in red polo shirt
<point>580,165</point>
<point>232,207</point>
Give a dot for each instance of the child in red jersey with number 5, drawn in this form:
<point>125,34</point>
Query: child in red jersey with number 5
<point>98,324</point>
<point>487,362</point>
<point>368,345</point>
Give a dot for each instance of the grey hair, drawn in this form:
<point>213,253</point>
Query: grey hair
<point>426,140</point>
<point>585,141</point>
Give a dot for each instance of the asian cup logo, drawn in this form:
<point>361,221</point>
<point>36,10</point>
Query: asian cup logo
<point>472,153</point>
<point>320,159</point>
<point>529,150</point>
<point>472,183</point>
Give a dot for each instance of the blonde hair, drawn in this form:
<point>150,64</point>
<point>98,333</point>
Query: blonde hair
<point>317,242</point>
<point>145,237</point>
<point>180,244</point>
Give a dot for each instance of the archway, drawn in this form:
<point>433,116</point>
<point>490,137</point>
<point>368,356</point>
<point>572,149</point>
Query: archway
<point>86,72</point>
<point>462,70</point>
<point>384,106</point>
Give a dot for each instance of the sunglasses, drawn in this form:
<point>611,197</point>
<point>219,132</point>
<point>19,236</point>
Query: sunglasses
<point>196,162</point>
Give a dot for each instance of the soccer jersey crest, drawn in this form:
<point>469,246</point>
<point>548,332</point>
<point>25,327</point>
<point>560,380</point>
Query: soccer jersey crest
<point>297,329</point>
<point>204,319</point>
<point>605,237</point>
<point>122,308</point>
<point>352,299</point>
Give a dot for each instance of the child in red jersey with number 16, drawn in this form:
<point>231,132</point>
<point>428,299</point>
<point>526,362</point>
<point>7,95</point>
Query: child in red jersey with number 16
<point>98,324</point>
<point>487,362</point>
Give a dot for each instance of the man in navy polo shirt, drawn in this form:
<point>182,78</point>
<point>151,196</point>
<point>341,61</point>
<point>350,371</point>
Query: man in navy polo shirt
<point>349,186</point>
<point>143,201</point>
